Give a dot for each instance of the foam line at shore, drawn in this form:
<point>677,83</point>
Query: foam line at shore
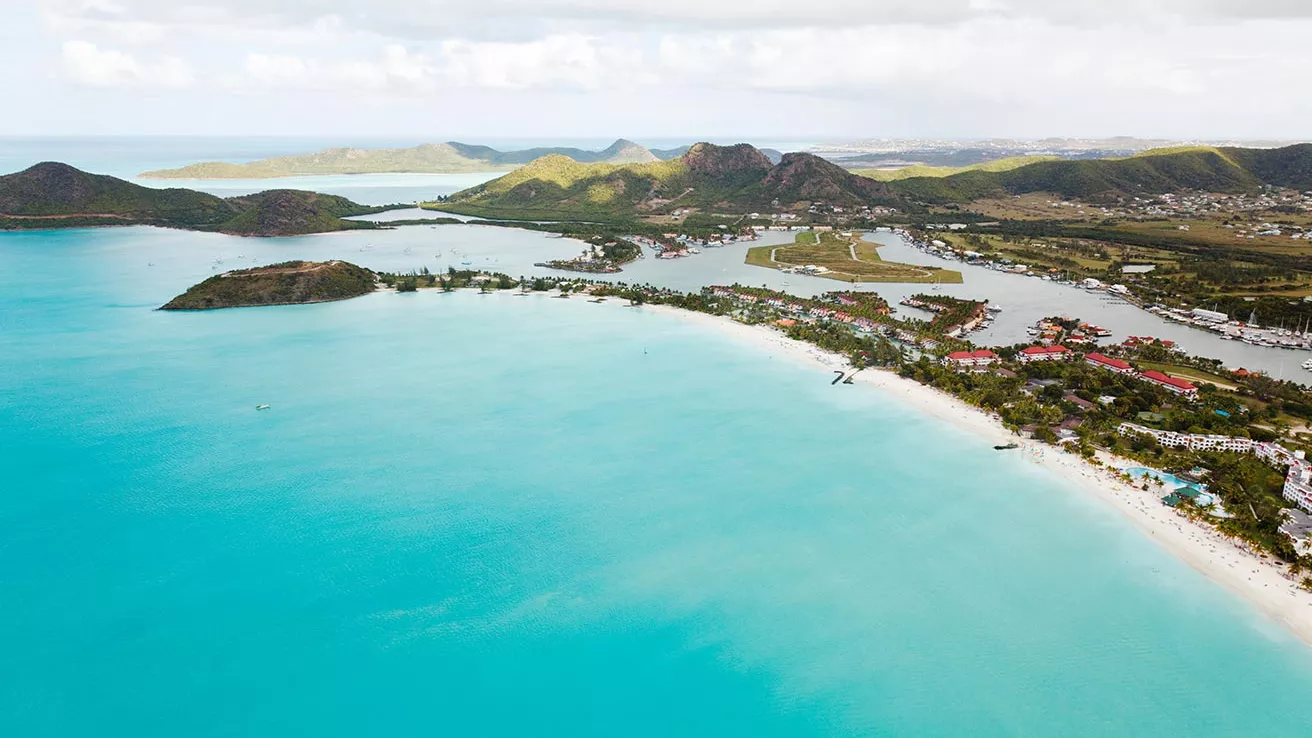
<point>1261,581</point>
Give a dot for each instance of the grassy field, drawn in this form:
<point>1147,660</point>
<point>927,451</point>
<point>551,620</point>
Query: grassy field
<point>1215,233</point>
<point>835,252</point>
<point>1034,206</point>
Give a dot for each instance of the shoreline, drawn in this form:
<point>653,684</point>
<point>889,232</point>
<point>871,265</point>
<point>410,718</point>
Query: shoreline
<point>1261,582</point>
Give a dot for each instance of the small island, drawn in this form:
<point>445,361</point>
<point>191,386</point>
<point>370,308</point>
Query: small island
<point>288,283</point>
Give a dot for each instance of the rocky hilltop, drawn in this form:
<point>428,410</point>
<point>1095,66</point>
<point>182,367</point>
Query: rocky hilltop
<point>288,283</point>
<point>735,178</point>
<point>55,195</point>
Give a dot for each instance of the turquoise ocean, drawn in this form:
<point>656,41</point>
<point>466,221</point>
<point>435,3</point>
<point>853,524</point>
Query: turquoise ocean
<point>473,515</point>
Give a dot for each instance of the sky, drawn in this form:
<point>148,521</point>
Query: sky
<point>775,69</point>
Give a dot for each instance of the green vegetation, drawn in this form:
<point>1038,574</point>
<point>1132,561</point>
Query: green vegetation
<point>53,195</point>
<point>847,258</point>
<point>288,283</point>
<point>727,179</point>
<point>920,170</point>
<point>451,279</point>
<point>443,158</point>
<point>292,213</point>
<point>1151,173</point>
<point>604,254</point>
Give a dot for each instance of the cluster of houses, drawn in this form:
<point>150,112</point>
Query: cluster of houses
<point>1202,204</point>
<point>1298,481</point>
<point>677,245</point>
<point>1050,330</point>
<point>982,359</point>
<point>802,311</point>
<point>980,316</point>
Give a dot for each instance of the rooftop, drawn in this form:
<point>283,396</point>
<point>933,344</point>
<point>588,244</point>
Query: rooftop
<point>1107,361</point>
<point>1156,376</point>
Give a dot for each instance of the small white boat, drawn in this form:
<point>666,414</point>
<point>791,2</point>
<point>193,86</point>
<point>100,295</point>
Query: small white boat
<point>261,407</point>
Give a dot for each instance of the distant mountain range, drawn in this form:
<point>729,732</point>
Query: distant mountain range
<point>451,157</point>
<point>1212,169</point>
<point>735,178</point>
<point>55,195</point>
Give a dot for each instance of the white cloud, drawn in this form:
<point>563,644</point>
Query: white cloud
<point>85,63</point>
<point>564,61</point>
<point>995,67</point>
<point>510,18</point>
<point>395,68</point>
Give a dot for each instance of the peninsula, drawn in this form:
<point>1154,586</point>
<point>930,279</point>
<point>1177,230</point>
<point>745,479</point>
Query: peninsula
<point>56,195</point>
<point>288,283</point>
<point>845,256</point>
<point>451,157</point>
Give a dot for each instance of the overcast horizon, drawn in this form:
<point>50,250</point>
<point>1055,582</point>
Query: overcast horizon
<point>584,70</point>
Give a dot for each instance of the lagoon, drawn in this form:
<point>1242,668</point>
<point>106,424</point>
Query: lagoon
<point>491,515</point>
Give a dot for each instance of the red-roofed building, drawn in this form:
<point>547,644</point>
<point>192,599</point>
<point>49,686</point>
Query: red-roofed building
<point>970,359</point>
<point>1170,384</point>
<point>1107,362</point>
<point>1043,353</point>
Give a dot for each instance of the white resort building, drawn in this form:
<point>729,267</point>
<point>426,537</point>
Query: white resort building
<point>1298,482</point>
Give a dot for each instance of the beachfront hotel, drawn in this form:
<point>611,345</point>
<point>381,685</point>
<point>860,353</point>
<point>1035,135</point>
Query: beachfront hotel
<point>1298,482</point>
<point>1191,441</point>
<point>1298,485</point>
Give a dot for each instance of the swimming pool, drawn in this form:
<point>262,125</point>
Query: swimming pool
<point>1170,480</point>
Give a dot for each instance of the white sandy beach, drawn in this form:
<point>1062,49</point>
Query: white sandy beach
<point>1261,581</point>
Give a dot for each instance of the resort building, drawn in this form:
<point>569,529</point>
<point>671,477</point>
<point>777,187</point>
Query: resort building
<point>1298,485</point>
<point>1107,362</point>
<point>1299,529</point>
<point>1043,353</point>
<point>1191,441</point>
<point>1170,384</point>
<point>970,359</point>
<point>1298,482</point>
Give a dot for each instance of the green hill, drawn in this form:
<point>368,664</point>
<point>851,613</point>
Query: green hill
<point>292,213</point>
<point>288,283</point>
<point>920,170</point>
<point>735,178</point>
<point>441,158</point>
<point>55,189</point>
<point>1212,169</point>
<point>55,195</point>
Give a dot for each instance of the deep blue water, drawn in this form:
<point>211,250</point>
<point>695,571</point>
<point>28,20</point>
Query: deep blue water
<point>499,516</point>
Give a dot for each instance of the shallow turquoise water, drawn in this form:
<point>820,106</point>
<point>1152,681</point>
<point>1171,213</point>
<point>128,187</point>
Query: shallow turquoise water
<point>496,516</point>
